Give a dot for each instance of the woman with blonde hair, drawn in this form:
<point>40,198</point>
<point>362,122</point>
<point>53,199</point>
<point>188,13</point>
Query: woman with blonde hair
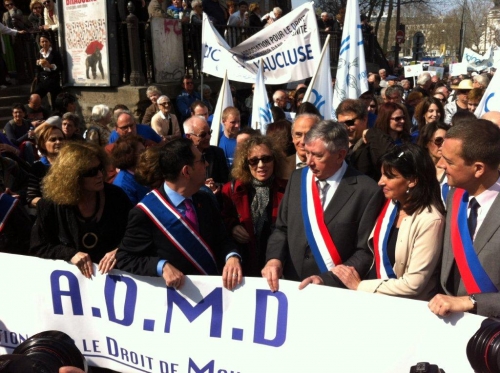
<point>81,218</point>
<point>250,203</point>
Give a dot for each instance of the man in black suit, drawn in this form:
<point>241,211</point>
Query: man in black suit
<point>197,130</point>
<point>178,231</point>
<point>345,203</point>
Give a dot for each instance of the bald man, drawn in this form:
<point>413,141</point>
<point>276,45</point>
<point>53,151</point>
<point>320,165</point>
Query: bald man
<point>492,116</point>
<point>35,113</point>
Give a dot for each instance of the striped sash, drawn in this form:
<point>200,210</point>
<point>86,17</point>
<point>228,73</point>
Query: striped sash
<point>385,221</point>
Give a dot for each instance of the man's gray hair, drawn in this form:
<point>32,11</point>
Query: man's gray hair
<point>189,123</point>
<point>315,117</point>
<point>332,133</point>
<point>99,112</point>
<point>423,78</point>
<point>482,79</point>
<point>391,90</point>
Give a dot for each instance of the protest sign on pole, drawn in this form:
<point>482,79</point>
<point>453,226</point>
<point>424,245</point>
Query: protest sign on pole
<point>477,62</point>
<point>224,100</point>
<point>320,92</point>
<point>289,49</point>
<point>352,76</point>
<point>413,70</point>
<point>261,112</point>
<point>491,98</point>
<point>436,70</point>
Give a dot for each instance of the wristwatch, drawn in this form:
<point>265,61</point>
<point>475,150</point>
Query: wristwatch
<point>472,298</point>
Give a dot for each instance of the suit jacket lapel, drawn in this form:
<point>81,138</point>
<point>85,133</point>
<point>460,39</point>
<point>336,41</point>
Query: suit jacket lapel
<point>489,226</point>
<point>341,196</point>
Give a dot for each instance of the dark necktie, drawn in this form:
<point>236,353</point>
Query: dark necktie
<point>472,219</point>
<point>301,164</point>
<point>191,213</point>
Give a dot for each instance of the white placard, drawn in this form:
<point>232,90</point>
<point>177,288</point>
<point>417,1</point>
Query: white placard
<point>457,69</point>
<point>435,70</point>
<point>413,70</point>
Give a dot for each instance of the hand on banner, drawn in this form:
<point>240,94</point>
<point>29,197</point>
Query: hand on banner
<point>173,277</point>
<point>444,305</point>
<point>84,263</point>
<point>348,275</point>
<point>311,280</point>
<point>272,272</point>
<point>232,273</point>
<point>240,234</point>
<point>108,262</point>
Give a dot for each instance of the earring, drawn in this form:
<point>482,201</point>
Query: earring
<point>408,190</point>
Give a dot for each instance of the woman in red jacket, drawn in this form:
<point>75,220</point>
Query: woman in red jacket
<point>251,200</point>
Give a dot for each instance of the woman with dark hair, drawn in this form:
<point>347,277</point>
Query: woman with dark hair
<point>125,156</point>
<point>408,235</point>
<point>298,97</point>
<point>49,66</point>
<point>429,110</point>
<point>81,218</point>
<point>250,203</point>
<point>307,108</point>
<point>281,132</point>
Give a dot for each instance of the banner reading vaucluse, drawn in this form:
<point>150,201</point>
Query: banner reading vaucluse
<point>135,324</point>
<point>289,48</point>
<point>86,41</point>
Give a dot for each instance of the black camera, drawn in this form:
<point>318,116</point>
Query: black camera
<point>484,347</point>
<point>44,352</point>
<point>425,368</point>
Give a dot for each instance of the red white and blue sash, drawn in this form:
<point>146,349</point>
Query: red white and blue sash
<point>7,204</point>
<point>474,277</point>
<point>385,221</point>
<point>317,234</point>
<point>179,231</point>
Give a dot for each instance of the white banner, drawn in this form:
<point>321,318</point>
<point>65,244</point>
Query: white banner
<point>289,48</point>
<point>261,112</point>
<point>86,40</point>
<point>491,98</point>
<point>352,76</point>
<point>320,91</point>
<point>477,62</point>
<point>435,70</point>
<point>224,100</point>
<point>135,324</point>
<point>459,68</point>
<point>413,70</point>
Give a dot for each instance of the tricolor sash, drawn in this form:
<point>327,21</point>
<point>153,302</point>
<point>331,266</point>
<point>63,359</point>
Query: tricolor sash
<point>473,275</point>
<point>179,231</point>
<point>317,234</point>
<point>383,227</point>
<point>7,204</point>
<point>445,188</point>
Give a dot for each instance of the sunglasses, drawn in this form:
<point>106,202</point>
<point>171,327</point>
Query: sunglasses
<point>46,3</point>
<point>202,159</point>
<point>264,159</point>
<point>397,119</point>
<point>202,135</point>
<point>438,141</point>
<point>9,4</point>
<point>93,171</point>
<point>350,122</point>
<point>372,106</point>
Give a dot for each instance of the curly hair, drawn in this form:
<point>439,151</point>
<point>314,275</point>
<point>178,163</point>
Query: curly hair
<point>241,169</point>
<point>147,171</point>
<point>63,183</point>
<point>124,153</point>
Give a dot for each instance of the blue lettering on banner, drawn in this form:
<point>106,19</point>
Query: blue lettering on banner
<point>210,53</point>
<point>192,367</point>
<point>164,367</point>
<point>287,58</point>
<point>58,293</point>
<point>214,300</point>
<point>130,299</point>
<point>318,102</point>
<point>490,96</point>
<point>128,356</point>
<point>262,297</point>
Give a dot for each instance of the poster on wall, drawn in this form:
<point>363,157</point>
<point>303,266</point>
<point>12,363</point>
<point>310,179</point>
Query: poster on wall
<point>86,39</point>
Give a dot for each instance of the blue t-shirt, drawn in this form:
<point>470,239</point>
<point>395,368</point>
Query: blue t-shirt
<point>130,186</point>
<point>229,146</point>
<point>142,130</point>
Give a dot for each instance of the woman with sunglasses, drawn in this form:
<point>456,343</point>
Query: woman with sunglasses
<point>49,139</point>
<point>429,110</point>
<point>36,17</point>
<point>250,202</point>
<point>408,235</point>
<point>81,219</point>
<point>50,17</point>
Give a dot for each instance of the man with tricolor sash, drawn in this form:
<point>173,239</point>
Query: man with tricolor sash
<point>176,230</point>
<point>326,215</point>
<point>470,273</point>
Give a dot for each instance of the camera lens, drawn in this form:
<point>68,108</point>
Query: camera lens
<point>484,347</point>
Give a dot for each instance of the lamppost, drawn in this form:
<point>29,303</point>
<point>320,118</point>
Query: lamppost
<point>462,33</point>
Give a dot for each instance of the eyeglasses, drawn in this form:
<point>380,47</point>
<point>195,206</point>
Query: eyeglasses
<point>165,103</point>
<point>350,122</point>
<point>264,159</point>
<point>438,141</point>
<point>202,135</point>
<point>124,128</point>
<point>54,139</point>
<point>93,171</point>
<point>202,159</point>
<point>9,4</point>
<point>397,119</point>
<point>462,91</point>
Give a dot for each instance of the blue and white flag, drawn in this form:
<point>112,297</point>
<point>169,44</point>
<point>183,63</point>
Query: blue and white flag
<point>352,77</point>
<point>491,98</point>
<point>261,111</point>
<point>477,62</point>
<point>320,91</point>
<point>225,100</point>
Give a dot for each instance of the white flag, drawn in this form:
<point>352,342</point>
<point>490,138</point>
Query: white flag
<point>476,61</point>
<point>261,112</point>
<point>352,77</point>
<point>491,98</point>
<point>225,100</point>
<point>320,92</point>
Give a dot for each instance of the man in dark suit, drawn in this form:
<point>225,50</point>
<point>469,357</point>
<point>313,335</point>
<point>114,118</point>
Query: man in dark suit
<point>470,274</point>
<point>354,114</point>
<point>300,127</point>
<point>344,203</point>
<point>197,130</point>
<point>178,231</point>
